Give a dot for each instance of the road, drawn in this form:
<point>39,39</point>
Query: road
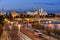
<point>31,35</point>
<point>14,33</point>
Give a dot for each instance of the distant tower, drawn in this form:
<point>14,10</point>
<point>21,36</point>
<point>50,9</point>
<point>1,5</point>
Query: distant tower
<point>14,14</point>
<point>43,13</point>
<point>2,10</point>
<point>38,15</point>
<point>2,13</point>
<point>41,10</point>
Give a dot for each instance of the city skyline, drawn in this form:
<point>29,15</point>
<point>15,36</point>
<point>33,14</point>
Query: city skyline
<point>49,5</point>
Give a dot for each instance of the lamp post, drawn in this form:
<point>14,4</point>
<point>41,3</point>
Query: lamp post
<point>19,27</point>
<point>11,23</point>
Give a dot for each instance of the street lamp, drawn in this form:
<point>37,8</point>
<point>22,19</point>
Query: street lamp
<point>28,21</point>
<point>10,27</point>
<point>19,27</point>
<point>11,23</point>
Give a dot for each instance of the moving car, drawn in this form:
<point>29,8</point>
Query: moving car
<point>37,32</point>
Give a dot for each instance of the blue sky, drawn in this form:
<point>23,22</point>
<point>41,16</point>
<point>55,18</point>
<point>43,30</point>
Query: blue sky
<point>27,4</point>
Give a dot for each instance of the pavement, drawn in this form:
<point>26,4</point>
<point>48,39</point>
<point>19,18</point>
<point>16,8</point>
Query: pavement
<point>47,37</point>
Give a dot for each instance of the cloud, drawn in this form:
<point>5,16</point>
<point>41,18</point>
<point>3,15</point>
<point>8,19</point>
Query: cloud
<point>48,3</point>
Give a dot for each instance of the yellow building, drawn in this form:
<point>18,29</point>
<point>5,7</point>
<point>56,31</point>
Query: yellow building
<point>14,14</point>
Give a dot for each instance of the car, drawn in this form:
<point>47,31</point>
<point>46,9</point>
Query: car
<point>37,32</point>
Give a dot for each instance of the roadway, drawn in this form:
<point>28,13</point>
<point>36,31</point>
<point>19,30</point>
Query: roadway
<point>31,34</point>
<point>14,33</point>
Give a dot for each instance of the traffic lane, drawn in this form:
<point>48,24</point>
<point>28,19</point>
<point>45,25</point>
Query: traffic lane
<point>31,35</point>
<point>12,33</point>
<point>23,36</point>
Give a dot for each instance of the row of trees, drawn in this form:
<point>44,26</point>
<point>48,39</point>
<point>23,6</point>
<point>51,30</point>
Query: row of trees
<point>29,16</point>
<point>19,16</point>
<point>37,26</point>
<point>1,24</point>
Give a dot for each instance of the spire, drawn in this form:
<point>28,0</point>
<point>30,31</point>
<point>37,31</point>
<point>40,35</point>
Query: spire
<point>2,10</point>
<point>38,12</point>
<point>41,10</point>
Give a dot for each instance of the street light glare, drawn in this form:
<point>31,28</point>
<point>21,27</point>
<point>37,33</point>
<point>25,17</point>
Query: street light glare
<point>11,22</point>
<point>19,26</point>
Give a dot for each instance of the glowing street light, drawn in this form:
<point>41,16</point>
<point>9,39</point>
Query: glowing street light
<point>10,27</point>
<point>11,22</point>
<point>19,26</point>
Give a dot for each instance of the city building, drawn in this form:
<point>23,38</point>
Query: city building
<point>14,14</point>
<point>2,12</point>
<point>58,26</point>
<point>57,14</point>
<point>32,13</point>
<point>42,12</point>
<point>51,26</point>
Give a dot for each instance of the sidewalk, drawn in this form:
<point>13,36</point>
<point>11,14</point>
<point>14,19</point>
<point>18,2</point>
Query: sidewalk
<point>4,36</point>
<point>31,35</point>
<point>47,37</point>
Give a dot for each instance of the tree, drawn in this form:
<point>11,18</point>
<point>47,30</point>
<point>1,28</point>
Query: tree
<point>1,24</point>
<point>1,29</point>
<point>2,20</point>
<point>38,26</point>
<point>57,32</point>
<point>9,17</point>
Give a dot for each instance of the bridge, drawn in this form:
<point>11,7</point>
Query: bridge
<point>52,19</point>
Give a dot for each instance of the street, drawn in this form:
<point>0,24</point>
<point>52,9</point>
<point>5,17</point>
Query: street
<point>14,34</point>
<point>31,35</point>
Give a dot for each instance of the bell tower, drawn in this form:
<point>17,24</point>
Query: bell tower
<point>38,14</point>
